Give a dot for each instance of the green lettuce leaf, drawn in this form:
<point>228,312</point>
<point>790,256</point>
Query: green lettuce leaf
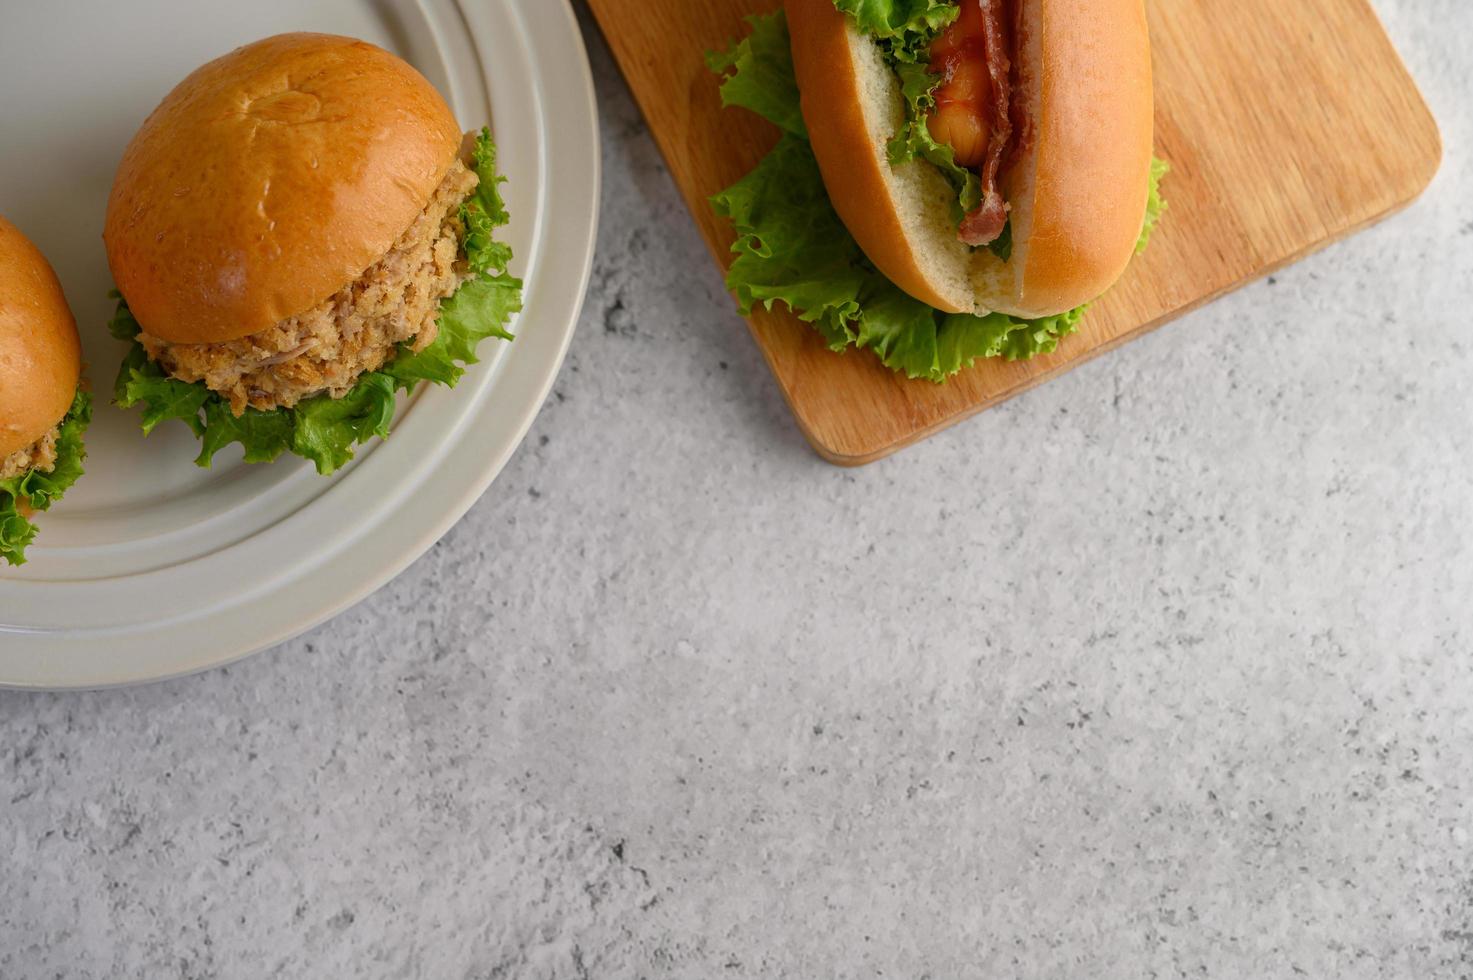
<point>1155,203</point>
<point>910,336</point>
<point>262,435</point>
<point>484,211</point>
<point>15,531</point>
<point>479,309</point>
<point>792,248</point>
<point>904,28</point>
<point>40,490</point>
<point>323,429</point>
<point>914,140</point>
<point>758,74</point>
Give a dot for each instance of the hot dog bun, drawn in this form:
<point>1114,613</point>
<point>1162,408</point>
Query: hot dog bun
<point>40,355</point>
<point>268,180</point>
<point>1077,189</point>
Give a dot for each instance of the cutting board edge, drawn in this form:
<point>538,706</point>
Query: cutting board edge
<point>865,456</point>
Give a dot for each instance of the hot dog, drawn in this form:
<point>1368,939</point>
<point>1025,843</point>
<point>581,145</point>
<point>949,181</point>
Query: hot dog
<point>1047,103</point>
<point>955,180</point>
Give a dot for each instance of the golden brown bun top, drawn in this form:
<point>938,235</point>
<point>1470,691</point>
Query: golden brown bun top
<point>269,179</point>
<point>1077,190</point>
<point>40,355</point>
<point>1092,160</point>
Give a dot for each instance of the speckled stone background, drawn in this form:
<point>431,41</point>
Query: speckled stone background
<point>1162,670</point>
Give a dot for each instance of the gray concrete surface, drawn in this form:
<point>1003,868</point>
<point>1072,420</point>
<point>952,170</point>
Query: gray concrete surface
<point>1162,670</point>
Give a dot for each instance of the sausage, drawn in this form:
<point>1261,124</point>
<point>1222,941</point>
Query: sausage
<point>973,112</point>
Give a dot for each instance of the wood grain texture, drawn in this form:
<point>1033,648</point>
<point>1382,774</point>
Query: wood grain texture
<point>1287,125</point>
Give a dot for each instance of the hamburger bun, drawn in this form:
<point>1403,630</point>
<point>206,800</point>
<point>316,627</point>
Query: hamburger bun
<point>40,355</point>
<point>1077,188</point>
<point>269,179</point>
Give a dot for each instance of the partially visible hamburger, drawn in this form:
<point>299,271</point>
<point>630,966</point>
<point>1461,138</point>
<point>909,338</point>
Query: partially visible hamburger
<point>297,232</point>
<point>43,412</point>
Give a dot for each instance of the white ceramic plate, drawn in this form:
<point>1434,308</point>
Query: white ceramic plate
<point>152,567</point>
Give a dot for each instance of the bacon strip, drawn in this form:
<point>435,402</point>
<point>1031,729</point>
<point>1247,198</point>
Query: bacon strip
<point>986,223</point>
<point>981,32</point>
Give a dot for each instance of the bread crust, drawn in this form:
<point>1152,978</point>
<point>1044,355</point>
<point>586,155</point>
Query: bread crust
<point>40,353</point>
<point>1092,152</point>
<point>1077,188</point>
<point>828,60</point>
<point>270,178</point>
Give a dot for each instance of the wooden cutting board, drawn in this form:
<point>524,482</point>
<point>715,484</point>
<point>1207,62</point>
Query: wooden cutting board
<point>1288,125</point>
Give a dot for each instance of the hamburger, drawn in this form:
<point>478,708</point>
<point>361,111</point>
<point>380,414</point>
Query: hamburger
<point>298,232</point>
<point>43,412</point>
<point>954,180</point>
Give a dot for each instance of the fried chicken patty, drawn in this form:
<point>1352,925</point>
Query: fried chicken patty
<point>353,332</point>
<point>40,455</point>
